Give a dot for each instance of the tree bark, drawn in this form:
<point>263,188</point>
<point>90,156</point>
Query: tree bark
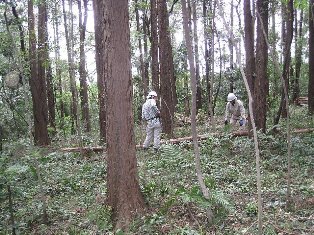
<point>68,27</point>
<point>250,72</point>
<point>199,99</point>
<point>99,8</point>
<point>144,80</point>
<point>231,82</point>
<point>60,105</point>
<point>38,83</point>
<point>154,45</point>
<point>124,195</point>
<point>82,69</point>
<point>311,59</point>
<point>288,19</point>
<point>298,55</point>
<point>166,69</point>
<point>261,82</point>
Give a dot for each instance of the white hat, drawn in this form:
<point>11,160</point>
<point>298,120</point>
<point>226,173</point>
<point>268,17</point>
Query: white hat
<point>151,94</point>
<point>231,97</point>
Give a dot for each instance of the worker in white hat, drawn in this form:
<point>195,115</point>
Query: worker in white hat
<point>151,114</point>
<point>235,111</point>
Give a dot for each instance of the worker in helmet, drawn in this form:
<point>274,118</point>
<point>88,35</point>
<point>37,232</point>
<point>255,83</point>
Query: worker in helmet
<point>151,114</point>
<point>235,111</point>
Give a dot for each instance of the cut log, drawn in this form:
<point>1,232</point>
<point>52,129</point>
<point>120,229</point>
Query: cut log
<point>84,149</point>
<point>98,149</point>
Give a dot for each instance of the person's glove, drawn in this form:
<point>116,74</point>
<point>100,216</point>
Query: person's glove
<point>241,122</point>
<point>226,122</point>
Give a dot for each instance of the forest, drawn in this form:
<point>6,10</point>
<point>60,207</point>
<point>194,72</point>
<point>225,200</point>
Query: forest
<point>74,76</point>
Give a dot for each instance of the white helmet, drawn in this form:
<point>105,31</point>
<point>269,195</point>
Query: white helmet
<point>231,97</point>
<point>151,94</point>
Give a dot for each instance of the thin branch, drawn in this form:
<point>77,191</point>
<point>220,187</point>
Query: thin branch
<point>172,6</point>
<point>256,147</point>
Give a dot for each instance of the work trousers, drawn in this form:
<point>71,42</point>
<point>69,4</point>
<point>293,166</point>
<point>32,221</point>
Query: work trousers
<point>153,131</point>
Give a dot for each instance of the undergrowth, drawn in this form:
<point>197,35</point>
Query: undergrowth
<point>73,187</point>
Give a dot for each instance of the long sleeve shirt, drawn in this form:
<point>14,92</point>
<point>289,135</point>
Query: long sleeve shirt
<point>149,110</point>
<point>236,111</point>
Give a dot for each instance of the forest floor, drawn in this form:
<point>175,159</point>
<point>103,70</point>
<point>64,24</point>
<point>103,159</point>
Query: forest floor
<point>73,186</point>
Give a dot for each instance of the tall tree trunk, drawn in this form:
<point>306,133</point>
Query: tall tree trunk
<point>144,80</point>
<point>207,46</point>
<point>166,69</point>
<point>199,100</point>
<point>231,88</point>
<point>261,82</point>
<point>311,58</point>
<point>298,55</point>
<point>276,79</point>
<point>82,70</point>
<point>60,106</point>
<point>146,54</point>
<point>124,195</point>
<point>249,49</point>
<point>154,45</point>
<point>99,8</point>
<point>68,27</point>
<point>288,26</point>
<point>49,78</point>
<point>288,18</point>
<point>37,79</point>
<point>51,98</point>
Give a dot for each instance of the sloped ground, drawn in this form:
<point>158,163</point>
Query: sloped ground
<point>75,188</point>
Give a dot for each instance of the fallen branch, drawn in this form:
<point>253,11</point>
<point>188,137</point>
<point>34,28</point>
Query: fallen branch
<point>99,149</point>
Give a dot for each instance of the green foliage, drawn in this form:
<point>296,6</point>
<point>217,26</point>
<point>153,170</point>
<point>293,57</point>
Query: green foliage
<point>251,209</point>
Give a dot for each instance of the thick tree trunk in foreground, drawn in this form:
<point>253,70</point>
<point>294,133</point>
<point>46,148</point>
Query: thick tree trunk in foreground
<point>124,195</point>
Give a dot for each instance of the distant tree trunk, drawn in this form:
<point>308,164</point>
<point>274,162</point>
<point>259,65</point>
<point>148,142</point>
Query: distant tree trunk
<point>38,77</point>
<point>207,46</point>
<point>231,88</point>
<point>287,51</point>
<point>274,41</point>
<point>311,59</point>
<point>60,106</point>
<point>249,50</point>
<point>99,8</point>
<point>261,82</point>
<point>146,54</point>
<point>166,69</point>
<point>143,82</point>
<point>199,100</point>
<point>51,98</point>
<point>82,70</point>
<point>154,45</point>
<point>68,27</point>
<point>50,83</point>
<point>298,55</point>
<point>124,195</point>
<point>288,26</point>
